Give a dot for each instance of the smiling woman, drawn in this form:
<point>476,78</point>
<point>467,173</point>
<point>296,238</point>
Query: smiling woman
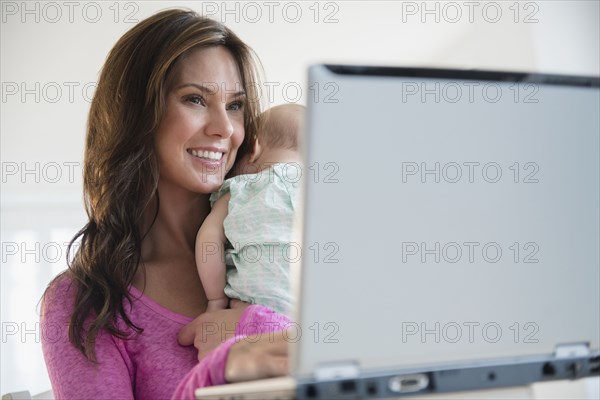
<point>203,126</point>
<point>51,53</point>
<point>172,111</point>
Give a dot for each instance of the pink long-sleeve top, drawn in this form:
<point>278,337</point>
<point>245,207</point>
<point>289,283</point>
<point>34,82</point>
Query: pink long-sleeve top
<point>150,365</point>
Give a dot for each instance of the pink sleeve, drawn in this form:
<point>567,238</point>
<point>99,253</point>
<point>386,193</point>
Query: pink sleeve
<point>211,370</point>
<point>71,374</point>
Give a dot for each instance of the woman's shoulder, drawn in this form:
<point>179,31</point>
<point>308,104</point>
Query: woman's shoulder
<point>60,293</point>
<point>62,284</point>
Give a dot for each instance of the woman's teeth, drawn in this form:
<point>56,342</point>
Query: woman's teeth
<point>210,155</point>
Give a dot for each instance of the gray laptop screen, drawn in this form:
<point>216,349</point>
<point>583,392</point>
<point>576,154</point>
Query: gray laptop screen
<point>448,218</point>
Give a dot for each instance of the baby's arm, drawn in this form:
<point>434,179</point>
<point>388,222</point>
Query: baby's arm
<point>210,255</point>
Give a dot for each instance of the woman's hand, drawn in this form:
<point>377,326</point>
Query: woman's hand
<point>210,329</point>
<point>266,357</point>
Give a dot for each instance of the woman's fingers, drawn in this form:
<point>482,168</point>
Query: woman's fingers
<point>265,358</point>
<point>280,346</point>
<point>187,334</point>
<point>244,368</point>
<point>210,329</point>
<point>277,366</point>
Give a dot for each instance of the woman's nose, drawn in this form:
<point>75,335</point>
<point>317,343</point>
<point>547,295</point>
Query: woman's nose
<point>219,123</point>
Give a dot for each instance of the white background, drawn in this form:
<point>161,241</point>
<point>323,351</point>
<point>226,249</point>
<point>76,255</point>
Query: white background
<point>52,52</point>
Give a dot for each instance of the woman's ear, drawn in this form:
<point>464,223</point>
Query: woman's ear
<point>256,150</point>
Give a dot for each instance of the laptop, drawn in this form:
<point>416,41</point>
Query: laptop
<point>449,234</point>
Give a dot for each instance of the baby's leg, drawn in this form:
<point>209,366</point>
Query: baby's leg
<point>210,259</point>
<point>217,304</point>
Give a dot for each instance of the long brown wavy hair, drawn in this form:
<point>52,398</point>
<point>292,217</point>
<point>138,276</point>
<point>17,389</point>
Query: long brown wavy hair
<point>121,172</point>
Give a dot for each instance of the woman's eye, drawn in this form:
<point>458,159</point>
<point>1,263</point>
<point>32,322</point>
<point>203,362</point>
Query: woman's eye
<point>195,99</point>
<point>236,105</point>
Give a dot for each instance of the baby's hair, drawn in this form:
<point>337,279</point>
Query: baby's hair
<point>280,126</point>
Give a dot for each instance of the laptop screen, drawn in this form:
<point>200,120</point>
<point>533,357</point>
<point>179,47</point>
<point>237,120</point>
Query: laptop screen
<point>450,217</point>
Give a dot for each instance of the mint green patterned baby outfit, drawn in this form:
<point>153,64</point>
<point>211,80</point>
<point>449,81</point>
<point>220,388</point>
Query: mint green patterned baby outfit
<point>259,228</point>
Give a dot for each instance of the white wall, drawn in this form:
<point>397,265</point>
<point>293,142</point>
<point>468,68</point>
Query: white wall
<point>51,53</point>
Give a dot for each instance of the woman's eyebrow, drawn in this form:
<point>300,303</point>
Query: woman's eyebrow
<point>211,88</point>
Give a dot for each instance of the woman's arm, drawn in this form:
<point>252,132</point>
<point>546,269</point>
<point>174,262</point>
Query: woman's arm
<point>237,360</point>
<point>258,350</point>
<point>71,374</point>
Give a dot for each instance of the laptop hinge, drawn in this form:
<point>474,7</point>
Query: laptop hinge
<point>332,371</point>
<point>572,350</point>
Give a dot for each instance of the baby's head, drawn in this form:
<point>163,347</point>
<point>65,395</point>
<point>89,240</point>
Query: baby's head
<point>276,141</point>
<point>280,127</point>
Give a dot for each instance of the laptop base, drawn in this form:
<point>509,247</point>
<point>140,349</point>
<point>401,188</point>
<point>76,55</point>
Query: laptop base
<point>402,384</point>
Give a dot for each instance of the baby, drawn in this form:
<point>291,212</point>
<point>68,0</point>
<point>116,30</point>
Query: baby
<point>254,211</point>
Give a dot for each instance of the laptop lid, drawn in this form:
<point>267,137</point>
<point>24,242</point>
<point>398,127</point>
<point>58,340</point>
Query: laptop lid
<point>451,220</point>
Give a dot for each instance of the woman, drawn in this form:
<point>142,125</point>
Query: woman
<point>174,106</point>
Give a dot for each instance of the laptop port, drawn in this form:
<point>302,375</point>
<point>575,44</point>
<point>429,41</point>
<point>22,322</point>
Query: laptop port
<point>348,387</point>
<point>595,365</point>
<point>574,368</point>
<point>408,383</point>
<point>548,369</point>
<point>372,388</point>
<point>311,392</point>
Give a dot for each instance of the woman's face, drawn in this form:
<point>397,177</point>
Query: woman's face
<point>203,124</point>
